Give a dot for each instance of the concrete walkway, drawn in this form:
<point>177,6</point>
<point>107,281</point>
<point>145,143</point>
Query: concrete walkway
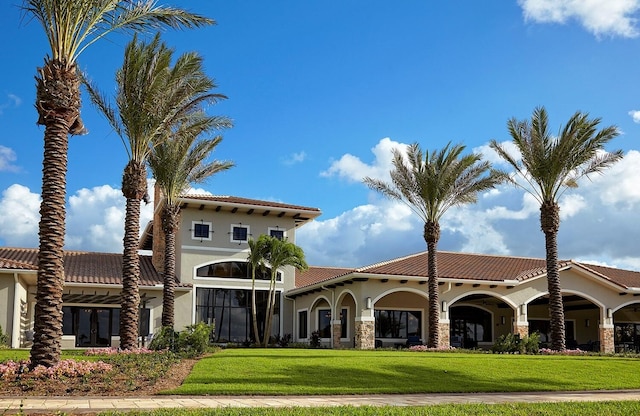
<point>79,405</point>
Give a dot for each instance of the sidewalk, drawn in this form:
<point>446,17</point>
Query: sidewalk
<point>78,405</point>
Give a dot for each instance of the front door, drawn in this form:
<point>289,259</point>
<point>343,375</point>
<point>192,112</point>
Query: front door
<point>93,328</point>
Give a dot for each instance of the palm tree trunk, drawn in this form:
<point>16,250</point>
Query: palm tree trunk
<point>254,312</point>
<point>58,105</point>
<point>134,188</point>
<point>169,227</point>
<point>130,300</point>
<point>431,236</point>
<point>550,224</point>
<point>270,307</point>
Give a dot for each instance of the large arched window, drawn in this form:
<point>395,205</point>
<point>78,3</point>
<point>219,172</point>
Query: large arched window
<point>234,270</point>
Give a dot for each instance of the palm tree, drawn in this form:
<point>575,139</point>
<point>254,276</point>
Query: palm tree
<point>71,26</point>
<point>549,166</point>
<point>177,163</point>
<point>430,185</point>
<point>153,99</point>
<point>255,258</point>
<point>278,253</point>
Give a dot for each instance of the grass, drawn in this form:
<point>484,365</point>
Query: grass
<point>318,372</point>
<point>517,409</point>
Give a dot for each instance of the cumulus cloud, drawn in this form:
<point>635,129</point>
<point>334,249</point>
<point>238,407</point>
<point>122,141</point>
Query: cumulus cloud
<point>600,222</point>
<point>11,101</point>
<point>20,217</point>
<point>295,158</point>
<point>635,115</point>
<point>600,17</point>
<point>94,222</point>
<point>7,157</point>
<point>352,169</point>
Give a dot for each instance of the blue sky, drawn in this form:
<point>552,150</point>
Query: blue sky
<point>320,92</point>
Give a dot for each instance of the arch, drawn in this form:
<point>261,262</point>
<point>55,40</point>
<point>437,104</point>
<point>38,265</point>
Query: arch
<point>570,292</point>
<point>314,303</point>
<point>344,294</point>
<point>400,289</point>
<point>482,292</point>
<point>624,305</point>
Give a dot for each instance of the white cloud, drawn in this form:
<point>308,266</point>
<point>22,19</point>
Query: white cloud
<point>94,222</point>
<point>635,115</point>
<point>600,17</point>
<point>12,101</point>
<point>7,157</point>
<point>20,217</point>
<point>294,158</point>
<point>600,222</point>
<point>351,168</point>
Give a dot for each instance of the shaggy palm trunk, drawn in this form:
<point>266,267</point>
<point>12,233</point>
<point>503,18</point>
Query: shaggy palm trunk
<point>58,105</point>
<point>271,304</point>
<point>431,236</point>
<point>550,224</point>
<point>134,188</point>
<point>169,227</point>
<point>254,311</point>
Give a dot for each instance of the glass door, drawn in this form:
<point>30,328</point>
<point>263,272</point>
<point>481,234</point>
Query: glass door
<point>93,328</point>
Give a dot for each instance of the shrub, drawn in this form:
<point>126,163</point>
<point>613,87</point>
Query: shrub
<point>194,340</point>
<point>4,339</point>
<point>165,340</point>
<point>513,344</point>
<point>315,339</point>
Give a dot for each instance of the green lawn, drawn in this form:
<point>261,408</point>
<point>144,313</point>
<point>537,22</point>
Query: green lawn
<point>317,372</point>
<point>516,409</point>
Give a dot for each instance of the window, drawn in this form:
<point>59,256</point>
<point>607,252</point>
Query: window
<point>277,233</point>
<point>235,270</point>
<point>397,324</point>
<point>324,323</point>
<point>471,324</point>
<point>302,324</point>
<point>230,309</point>
<point>239,233</point>
<point>201,230</point>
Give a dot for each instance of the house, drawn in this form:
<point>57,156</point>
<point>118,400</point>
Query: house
<point>481,297</point>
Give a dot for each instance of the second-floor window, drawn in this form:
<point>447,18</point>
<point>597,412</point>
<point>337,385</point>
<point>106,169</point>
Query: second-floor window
<point>239,233</point>
<point>201,230</point>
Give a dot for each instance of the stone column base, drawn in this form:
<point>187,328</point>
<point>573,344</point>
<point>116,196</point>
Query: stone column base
<point>607,342</point>
<point>365,334</point>
<point>443,335</point>
<point>336,329</point>
<point>522,330</point>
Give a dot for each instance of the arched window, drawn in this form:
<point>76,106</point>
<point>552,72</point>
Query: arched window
<point>234,270</point>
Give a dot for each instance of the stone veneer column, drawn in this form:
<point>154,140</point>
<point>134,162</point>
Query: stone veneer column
<point>607,343</point>
<point>365,333</point>
<point>443,335</point>
<point>336,329</point>
<point>521,330</point>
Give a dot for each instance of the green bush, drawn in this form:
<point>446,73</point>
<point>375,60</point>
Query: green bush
<point>194,340</point>
<point>165,340</point>
<point>191,342</point>
<point>4,339</point>
<point>513,344</point>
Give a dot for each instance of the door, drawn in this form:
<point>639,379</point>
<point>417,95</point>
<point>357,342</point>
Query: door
<point>93,328</point>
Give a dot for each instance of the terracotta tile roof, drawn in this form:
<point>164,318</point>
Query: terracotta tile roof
<point>247,201</point>
<point>625,278</point>
<point>84,267</point>
<point>460,266</point>
<point>319,274</point>
<point>463,266</point>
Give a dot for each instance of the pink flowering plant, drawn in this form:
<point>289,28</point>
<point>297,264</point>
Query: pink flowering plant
<point>66,368</point>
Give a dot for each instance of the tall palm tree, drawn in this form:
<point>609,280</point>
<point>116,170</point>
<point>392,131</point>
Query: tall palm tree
<point>278,253</point>
<point>255,258</point>
<point>176,164</point>
<point>430,184</point>
<point>549,165</point>
<point>153,99</point>
<point>71,26</point>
